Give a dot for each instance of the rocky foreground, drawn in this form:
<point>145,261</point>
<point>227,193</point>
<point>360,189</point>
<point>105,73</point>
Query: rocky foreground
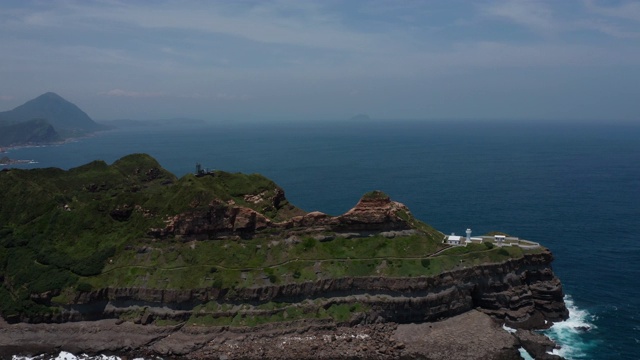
<point>472,335</point>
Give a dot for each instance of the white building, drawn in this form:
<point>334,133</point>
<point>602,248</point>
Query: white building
<point>454,239</point>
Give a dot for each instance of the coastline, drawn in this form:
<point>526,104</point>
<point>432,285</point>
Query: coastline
<point>5,161</point>
<point>7,149</point>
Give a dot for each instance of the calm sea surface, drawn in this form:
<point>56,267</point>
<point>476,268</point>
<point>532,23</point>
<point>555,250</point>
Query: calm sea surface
<point>575,188</point>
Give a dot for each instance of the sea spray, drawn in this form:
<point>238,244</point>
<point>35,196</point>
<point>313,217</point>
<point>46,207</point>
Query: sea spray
<point>63,355</point>
<point>569,334</point>
<point>523,352</point>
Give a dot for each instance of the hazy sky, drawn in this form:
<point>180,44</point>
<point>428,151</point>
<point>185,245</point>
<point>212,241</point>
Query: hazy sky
<point>300,60</point>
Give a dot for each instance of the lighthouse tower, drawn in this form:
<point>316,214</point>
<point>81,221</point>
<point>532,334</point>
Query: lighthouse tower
<point>468,236</point>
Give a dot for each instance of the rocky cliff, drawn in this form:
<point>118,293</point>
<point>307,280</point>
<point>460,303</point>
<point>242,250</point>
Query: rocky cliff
<point>523,293</point>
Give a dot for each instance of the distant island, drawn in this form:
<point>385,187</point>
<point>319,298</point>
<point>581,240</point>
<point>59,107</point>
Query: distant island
<point>127,258</point>
<point>44,120</point>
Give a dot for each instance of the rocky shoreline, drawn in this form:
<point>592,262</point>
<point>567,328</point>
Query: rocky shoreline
<point>469,335</point>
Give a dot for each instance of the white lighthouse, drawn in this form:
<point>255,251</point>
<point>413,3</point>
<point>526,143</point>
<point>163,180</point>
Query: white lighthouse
<point>468,236</point>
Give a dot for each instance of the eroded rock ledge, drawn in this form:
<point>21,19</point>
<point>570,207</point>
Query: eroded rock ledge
<point>374,214</point>
<point>522,292</point>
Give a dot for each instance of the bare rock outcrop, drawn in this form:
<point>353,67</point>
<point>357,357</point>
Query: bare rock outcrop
<point>372,214</point>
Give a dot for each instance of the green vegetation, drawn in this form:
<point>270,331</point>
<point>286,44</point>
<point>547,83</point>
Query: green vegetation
<point>375,195</point>
<point>36,131</point>
<point>69,232</point>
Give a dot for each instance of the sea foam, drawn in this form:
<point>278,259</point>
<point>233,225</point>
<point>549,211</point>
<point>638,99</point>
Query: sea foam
<point>569,334</point>
<point>63,355</point>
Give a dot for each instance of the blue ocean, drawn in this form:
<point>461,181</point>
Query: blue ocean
<point>574,187</point>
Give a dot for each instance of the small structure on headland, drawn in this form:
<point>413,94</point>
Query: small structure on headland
<point>497,239</point>
<point>454,239</point>
<point>202,172</point>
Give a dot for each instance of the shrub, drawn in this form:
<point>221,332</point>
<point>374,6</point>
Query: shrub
<point>92,264</point>
<point>51,279</point>
<point>217,283</point>
<point>84,287</point>
<point>375,195</point>
<point>425,263</point>
<point>308,243</point>
<point>489,245</point>
<point>8,305</point>
<point>503,252</point>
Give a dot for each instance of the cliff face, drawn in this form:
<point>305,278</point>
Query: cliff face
<point>522,292</point>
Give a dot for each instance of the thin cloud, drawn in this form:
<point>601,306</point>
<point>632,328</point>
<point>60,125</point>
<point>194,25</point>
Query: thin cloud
<point>131,94</point>
<point>6,97</point>
<point>627,10</point>
<point>535,15</point>
<point>542,18</point>
<point>138,95</point>
<point>283,22</point>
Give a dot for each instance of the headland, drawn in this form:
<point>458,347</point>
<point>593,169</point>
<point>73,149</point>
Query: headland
<point>222,265</point>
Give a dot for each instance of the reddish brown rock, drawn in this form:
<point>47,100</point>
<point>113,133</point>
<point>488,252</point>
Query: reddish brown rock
<point>220,220</point>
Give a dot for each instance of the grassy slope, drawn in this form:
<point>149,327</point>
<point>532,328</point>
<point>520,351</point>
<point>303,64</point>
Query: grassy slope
<point>57,233</point>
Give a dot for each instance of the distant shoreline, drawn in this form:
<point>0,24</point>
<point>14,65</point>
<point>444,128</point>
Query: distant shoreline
<point>8,162</point>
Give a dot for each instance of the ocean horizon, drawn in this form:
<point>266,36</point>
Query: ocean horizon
<point>574,188</point>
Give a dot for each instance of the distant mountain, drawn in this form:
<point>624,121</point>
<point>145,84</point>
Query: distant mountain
<point>45,119</point>
<point>66,118</point>
<point>36,131</point>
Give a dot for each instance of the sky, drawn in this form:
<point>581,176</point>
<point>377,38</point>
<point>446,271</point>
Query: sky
<point>303,60</point>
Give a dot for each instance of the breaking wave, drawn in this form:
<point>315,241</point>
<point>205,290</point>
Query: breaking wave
<point>570,334</point>
<point>68,356</point>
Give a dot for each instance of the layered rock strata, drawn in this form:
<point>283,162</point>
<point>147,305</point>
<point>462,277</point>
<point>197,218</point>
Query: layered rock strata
<point>223,220</point>
<point>523,293</point>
